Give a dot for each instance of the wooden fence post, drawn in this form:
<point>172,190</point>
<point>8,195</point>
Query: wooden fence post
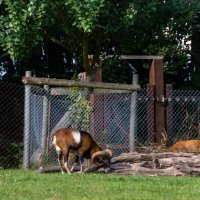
<point>150,114</point>
<point>132,132</point>
<point>98,74</point>
<point>156,79</point>
<point>45,119</point>
<point>27,123</point>
<point>97,115</point>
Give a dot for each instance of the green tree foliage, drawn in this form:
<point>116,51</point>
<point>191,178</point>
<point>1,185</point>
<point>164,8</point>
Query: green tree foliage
<point>195,51</point>
<point>84,13</point>
<point>80,108</point>
<point>23,27</point>
<point>26,23</point>
<point>161,27</point>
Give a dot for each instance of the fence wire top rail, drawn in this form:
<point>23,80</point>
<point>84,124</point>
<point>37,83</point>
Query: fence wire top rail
<point>70,83</point>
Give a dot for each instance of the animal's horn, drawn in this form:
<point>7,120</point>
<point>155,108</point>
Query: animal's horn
<point>102,157</point>
<point>109,152</point>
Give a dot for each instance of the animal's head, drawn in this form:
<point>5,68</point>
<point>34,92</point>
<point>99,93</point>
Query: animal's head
<point>102,157</point>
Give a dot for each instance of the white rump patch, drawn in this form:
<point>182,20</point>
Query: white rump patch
<point>77,136</point>
<point>54,143</point>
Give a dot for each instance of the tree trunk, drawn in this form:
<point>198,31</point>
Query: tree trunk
<point>85,53</point>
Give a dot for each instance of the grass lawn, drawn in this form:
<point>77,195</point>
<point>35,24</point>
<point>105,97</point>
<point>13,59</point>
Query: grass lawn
<point>19,184</point>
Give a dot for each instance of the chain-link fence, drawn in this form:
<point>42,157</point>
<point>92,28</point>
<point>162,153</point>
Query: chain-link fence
<point>121,120</point>
<point>115,119</point>
<point>11,124</point>
<point>183,115</point>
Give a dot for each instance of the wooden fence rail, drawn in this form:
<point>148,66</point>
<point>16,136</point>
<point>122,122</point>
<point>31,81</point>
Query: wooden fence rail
<point>70,83</point>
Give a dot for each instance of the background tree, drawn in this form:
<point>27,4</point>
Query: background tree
<point>195,52</point>
<point>66,23</point>
<point>158,28</point>
<point>100,27</point>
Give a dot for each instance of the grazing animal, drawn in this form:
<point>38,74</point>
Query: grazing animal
<point>67,140</point>
<point>187,146</point>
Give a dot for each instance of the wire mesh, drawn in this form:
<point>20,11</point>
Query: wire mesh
<point>11,125</point>
<point>123,121</point>
<point>31,114</point>
<point>183,115</point>
<point>106,116</point>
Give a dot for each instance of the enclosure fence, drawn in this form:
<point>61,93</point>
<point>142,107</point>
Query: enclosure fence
<point>183,115</point>
<point>121,120</point>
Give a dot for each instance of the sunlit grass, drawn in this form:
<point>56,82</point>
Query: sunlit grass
<point>19,184</point>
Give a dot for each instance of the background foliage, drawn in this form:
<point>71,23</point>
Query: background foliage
<point>54,38</point>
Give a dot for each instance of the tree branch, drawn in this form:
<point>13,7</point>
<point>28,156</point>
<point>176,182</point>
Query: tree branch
<point>4,55</point>
<point>59,43</point>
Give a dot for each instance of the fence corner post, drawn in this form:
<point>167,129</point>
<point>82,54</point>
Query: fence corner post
<point>27,107</point>
<point>133,127</point>
<point>156,79</point>
<point>45,117</point>
<point>150,114</point>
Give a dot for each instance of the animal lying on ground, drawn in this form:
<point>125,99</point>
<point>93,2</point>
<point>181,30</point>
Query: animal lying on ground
<point>67,140</point>
<point>187,146</point>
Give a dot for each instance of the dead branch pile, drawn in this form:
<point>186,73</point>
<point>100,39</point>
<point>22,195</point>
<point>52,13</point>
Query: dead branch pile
<point>148,164</point>
<point>153,164</point>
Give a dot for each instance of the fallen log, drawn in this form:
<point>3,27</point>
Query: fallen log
<point>86,169</point>
<point>146,164</point>
<point>156,164</point>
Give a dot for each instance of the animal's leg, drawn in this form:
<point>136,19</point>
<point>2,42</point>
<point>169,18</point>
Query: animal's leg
<point>80,162</point>
<point>60,155</point>
<point>75,163</point>
<point>60,161</point>
<point>65,160</point>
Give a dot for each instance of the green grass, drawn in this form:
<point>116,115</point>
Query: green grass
<point>19,184</point>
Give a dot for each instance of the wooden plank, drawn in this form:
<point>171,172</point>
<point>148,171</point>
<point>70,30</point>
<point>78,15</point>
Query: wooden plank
<point>65,91</point>
<point>97,115</point>
<point>98,75</point>
<point>156,79</point>
<point>136,57</point>
<point>70,83</point>
<point>110,91</point>
<point>150,114</point>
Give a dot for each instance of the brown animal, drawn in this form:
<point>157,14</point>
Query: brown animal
<point>187,146</point>
<point>67,140</point>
